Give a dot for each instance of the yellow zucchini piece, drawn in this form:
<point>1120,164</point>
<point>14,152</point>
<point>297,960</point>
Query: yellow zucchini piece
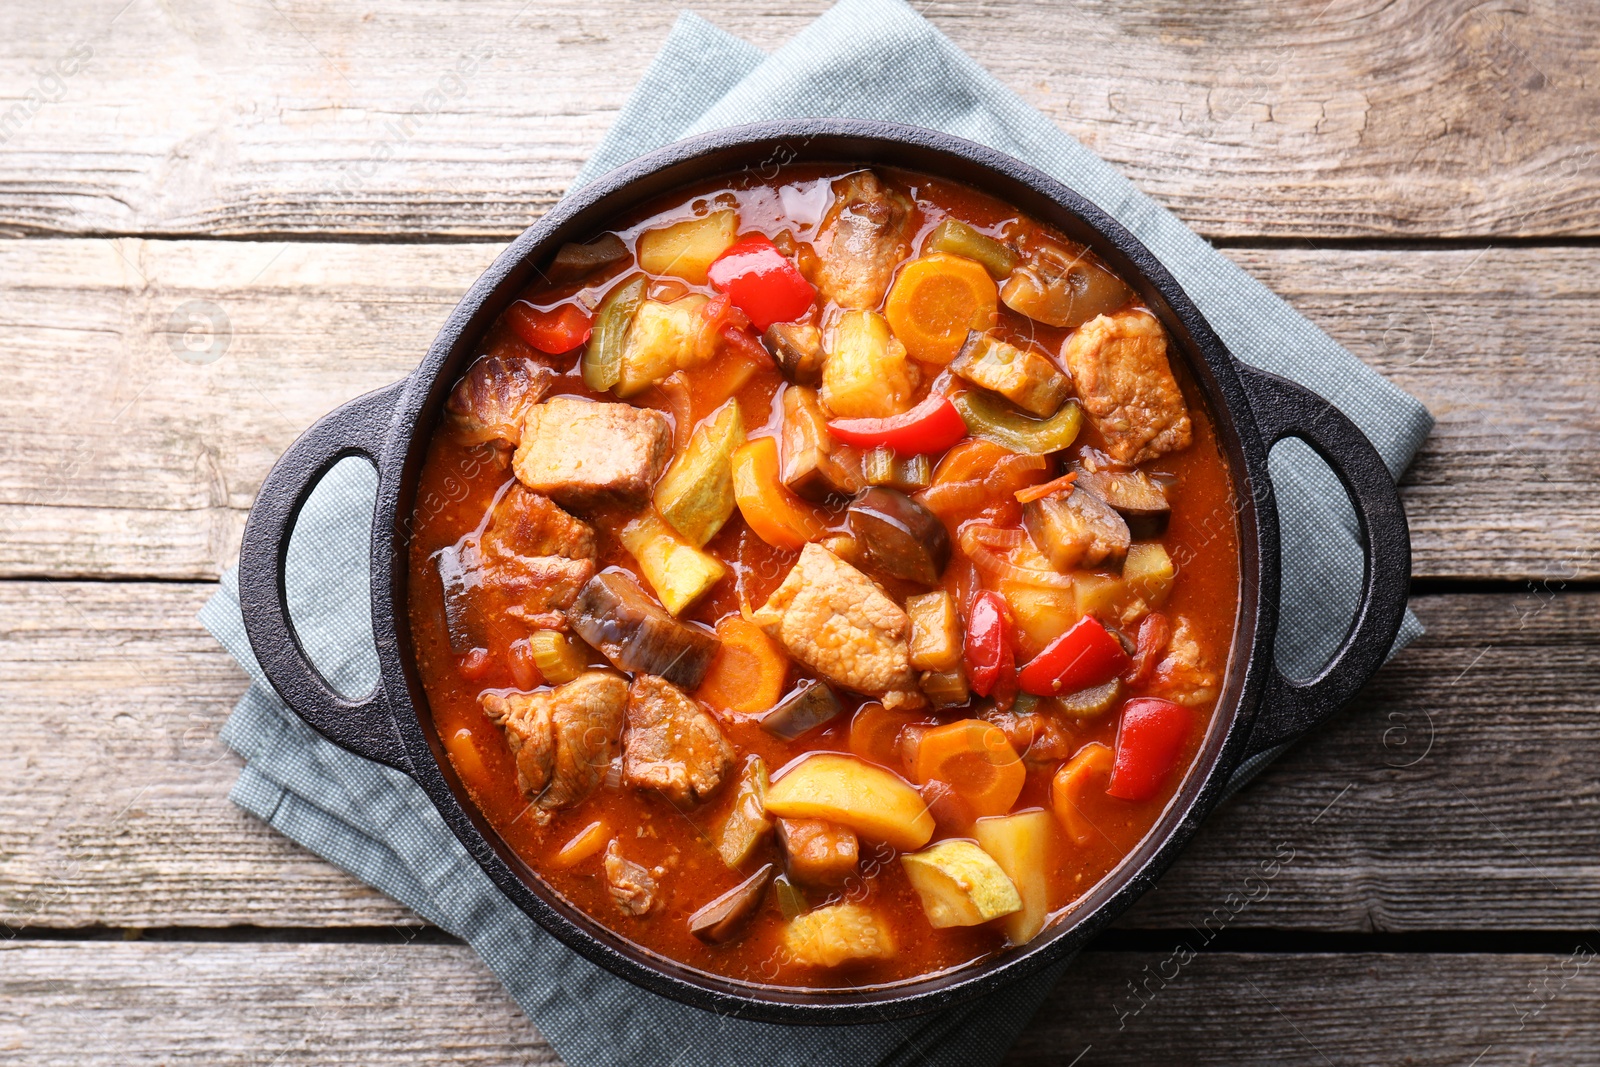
<point>866,374</point>
<point>1019,844</point>
<point>696,493</point>
<point>1148,572</point>
<point>662,339</point>
<point>960,884</point>
<point>686,249</point>
<point>747,822</point>
<point>843,789</point>
<point>935,631</point>
<point>678,571</point>
<point>838,934</point>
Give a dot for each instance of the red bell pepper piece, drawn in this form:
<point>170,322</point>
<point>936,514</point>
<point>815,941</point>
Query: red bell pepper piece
<point>761,281</point>
<point>932,426</point>
<point>1085,655</point>
<point>1150,738</point>
<point>550,330</point>
<point>991,664</point>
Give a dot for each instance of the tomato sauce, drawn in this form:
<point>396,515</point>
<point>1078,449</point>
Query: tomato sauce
<point>460,483</point>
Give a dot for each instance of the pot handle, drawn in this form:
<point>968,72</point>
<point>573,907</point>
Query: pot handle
<point>1283,409</point>
<point>364,726</point>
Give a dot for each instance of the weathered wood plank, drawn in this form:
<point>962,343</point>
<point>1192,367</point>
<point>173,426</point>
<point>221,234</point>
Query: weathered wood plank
<point>155,466</point>
<point>113,786</point>
<point>114,807</point>
<point>1308,118</point>
<point>222,1004</point>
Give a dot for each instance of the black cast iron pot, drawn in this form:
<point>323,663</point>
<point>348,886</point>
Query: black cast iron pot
<point>1258,707</point>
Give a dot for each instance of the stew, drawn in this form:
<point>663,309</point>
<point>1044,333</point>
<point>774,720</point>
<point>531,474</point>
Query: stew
<point>824,579</point>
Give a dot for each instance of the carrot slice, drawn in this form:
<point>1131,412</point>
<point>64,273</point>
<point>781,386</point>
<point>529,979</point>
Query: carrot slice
<point>747,673</point>
<point>1091,763</point>
<point>875,734</point>
<point>778,517</point>
<point>584,843</point>
<point>935,300</point>
<point>969,460</point>
<point>975,759</point>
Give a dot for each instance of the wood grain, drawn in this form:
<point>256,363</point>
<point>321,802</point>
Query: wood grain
<point>153,472</point>
<point>165,1003</point>
<point>1305,118</point>
<point>1457,794</point>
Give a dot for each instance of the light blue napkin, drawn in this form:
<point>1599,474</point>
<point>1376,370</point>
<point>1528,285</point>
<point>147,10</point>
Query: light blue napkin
<point>863,58</point>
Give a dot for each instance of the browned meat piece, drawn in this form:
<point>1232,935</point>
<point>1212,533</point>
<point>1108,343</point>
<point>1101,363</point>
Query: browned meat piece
<point>490,402</point>
<point>833,619</point>
<point>525,523</point>
<point>1119,363</point>
<point>490,600</point>
<point>634,632</point>
<point>633,887</point>
<point>818,852</point>
<point>538,590</point>
<point>673,745</point>
<point>797,346</point>
<point>1183,675</point>
<point>562,738</point>
<point>584,455</point>
<point>1076,529</point>
<point>863,237</point>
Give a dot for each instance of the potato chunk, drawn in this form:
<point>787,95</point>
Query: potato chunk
<point>1019,844</point>
<point>686,249</point>
<point>696,493</point>
<point>679,572</point>
<point>876,804</point>
<point>866,374</point>
<point>960,884</point>
<point>836,935</point>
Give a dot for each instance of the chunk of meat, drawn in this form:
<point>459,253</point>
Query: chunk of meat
<point>490,402</point>
<point>818,852</point>
<point>1183,676</point>
<point>673,745</point>
<point>563,738</point>
<point>833,619</point>
<point>525,523</point>
<point>585,455</point>
<point>633,886</point>
<point>490,601</point>
<point>1119,363</point>
<point>863,237</point>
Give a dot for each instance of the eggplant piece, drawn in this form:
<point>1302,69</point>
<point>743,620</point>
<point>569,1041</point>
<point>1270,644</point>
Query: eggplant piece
<point>1137,497</point>
<point>797,347</point>
<point>812,465</point>
<point>460,581</point>
<point>1025,378</point>
<point>636,634</point>
<point>574,262</point>
<point>1059,286</point>
<point>899,536</point>
<point>808,705</point>
<point>721,919</point>
<point>1076,529</point>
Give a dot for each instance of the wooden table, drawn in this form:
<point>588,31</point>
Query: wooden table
<point>311,185</point>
